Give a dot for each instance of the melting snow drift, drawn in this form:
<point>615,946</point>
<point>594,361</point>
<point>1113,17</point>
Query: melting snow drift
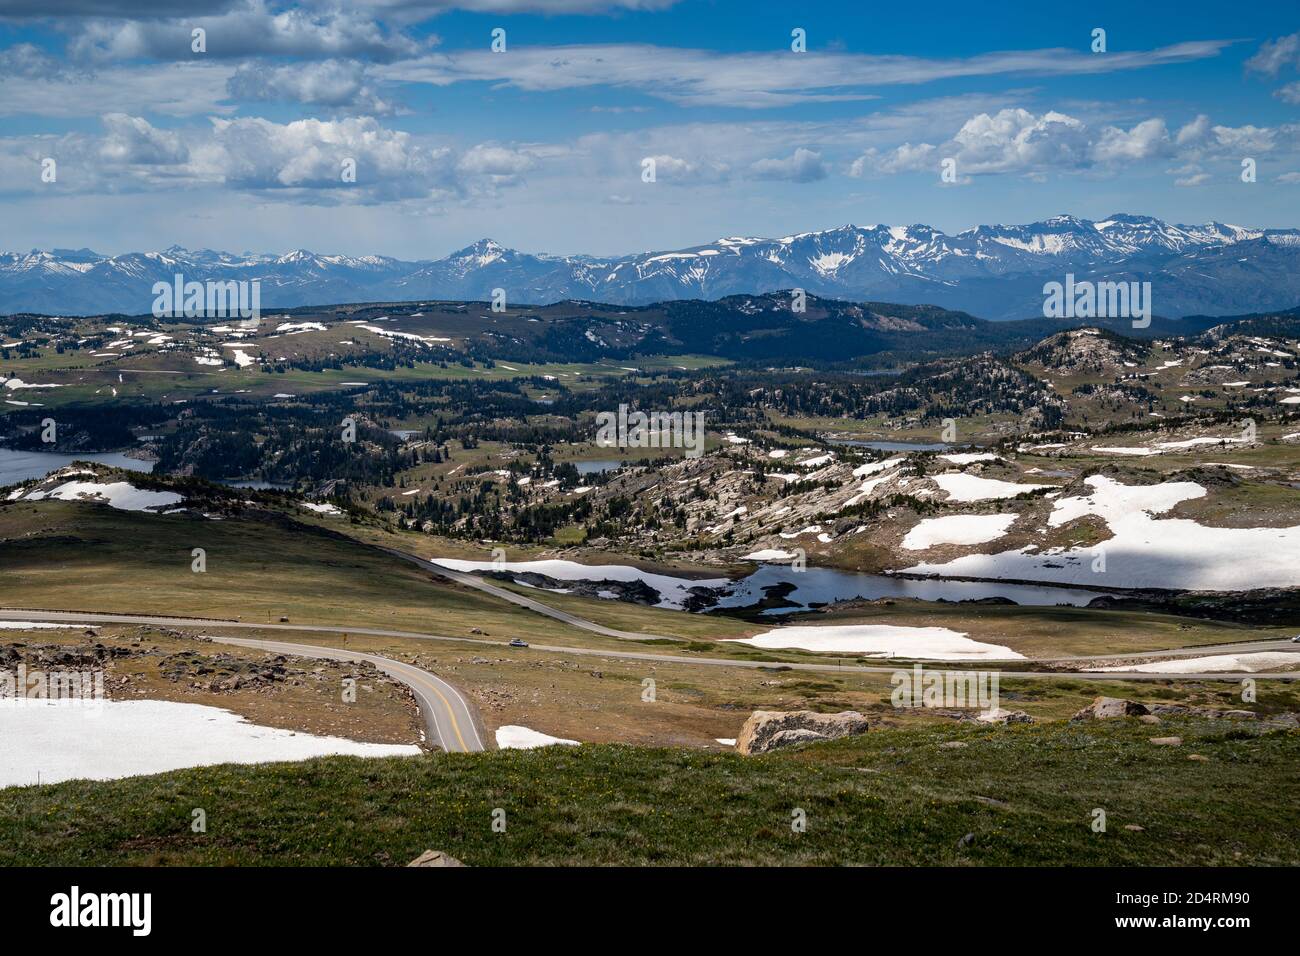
<point>105,740</point>
<point>922,643</point>
<point>121,495</point>
<point>957,529</point>
<point>514,737</point>
<point>1145,551</point>
<point>1214,664</point>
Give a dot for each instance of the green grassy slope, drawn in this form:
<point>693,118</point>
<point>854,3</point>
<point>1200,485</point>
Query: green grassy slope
<point>894,796</point>
<point>88,557</point>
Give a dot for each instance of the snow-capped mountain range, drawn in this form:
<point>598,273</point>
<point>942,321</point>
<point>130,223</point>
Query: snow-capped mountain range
<point>994,272</point>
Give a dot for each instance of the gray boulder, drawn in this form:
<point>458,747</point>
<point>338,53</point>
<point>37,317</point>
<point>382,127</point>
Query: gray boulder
<point>1105,708</point>
<point>788,738</point>
<point>769,729</point>
<point>435,858</point>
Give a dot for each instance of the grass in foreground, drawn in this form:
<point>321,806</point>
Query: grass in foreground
<point>899,797</point>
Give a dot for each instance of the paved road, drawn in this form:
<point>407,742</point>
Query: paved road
<point>208,623</point>
<point>478,583</point>
<point>447,713</point>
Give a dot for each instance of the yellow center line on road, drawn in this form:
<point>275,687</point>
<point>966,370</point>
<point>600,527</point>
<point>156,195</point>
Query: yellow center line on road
<point>455,725</point>
<point>419,676</point>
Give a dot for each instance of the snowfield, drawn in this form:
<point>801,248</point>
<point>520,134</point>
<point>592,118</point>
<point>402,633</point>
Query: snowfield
<point>34,626</point>
<point>887,640</point>
<point>105,740</point>
<point>1164,447</point>
<point>1145,551</point>
<point>514,737</point>
<point>121,495</point>
<point>1214,664</point>
<point>957,529</point>
<point>963,487</point>
<point>872,467</point>
<point>16,383</point>
<point>673,592</point>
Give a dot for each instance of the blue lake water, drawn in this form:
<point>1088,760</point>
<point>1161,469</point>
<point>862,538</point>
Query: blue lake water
<point>828,585</point>
<point>815,587</point>
<point>893,445</point>
<point>16,466</point>
<point>598,465</point>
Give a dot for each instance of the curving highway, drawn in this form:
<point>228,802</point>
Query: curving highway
<point>447,714</point>
<point>18,614</point>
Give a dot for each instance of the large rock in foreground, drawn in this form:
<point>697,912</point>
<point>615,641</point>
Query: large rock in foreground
<point>435,858</point>
<point>1104,708</point>
<point>770,729</point>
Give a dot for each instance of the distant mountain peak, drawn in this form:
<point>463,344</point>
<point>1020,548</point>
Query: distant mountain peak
<point>483,245</point>
<point>994,271</point>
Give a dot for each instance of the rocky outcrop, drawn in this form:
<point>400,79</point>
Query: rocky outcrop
<point>634,592</point>
<point>1104,708</point>
<point>59,655</point>
<point>221,672</point>
<point>771,729</point>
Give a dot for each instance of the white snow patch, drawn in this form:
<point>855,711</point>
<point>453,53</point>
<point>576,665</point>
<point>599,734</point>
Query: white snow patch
<point>811,529</point>
<point>816,462</point>
<point>872,467</point>
<point>515,737</point>
<point>769,554</point>
<point>1216,663</point>
<point>300,327</point>
<point>106,740</point>
<point>16,383</point>
<point>957,529</point>
<point>963,487</point>
<point>35,626</point>
<point>1145,551</point>
<point>889,640</point>
<point>121,495</point>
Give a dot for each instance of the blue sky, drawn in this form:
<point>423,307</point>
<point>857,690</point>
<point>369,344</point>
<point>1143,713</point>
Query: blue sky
<point>242,146</point>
